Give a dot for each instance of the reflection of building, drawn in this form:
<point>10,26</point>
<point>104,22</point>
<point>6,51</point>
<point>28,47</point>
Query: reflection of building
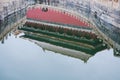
<point>64,51</point>
<point>107,15</point>
<point>71,48</point>
<point>68,41</point>
<point>62,31</point>
<point>11,22</point>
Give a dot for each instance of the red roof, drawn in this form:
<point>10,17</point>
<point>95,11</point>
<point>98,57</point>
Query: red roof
<point>55,16</point>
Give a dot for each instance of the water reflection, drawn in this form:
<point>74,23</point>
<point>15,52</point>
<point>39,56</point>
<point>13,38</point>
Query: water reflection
<point>105,23</point>
<point>61,50</point>
<point>11,19</point>
<point>23,60</point>
<point>75,43</point>
<point>9,22</point>
<point>112,32</point>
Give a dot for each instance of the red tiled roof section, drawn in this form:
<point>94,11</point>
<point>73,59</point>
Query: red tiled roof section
<point>55,16</point>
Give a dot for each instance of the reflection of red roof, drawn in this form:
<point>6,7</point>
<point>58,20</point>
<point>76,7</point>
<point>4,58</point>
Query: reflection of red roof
<point>54,16</point>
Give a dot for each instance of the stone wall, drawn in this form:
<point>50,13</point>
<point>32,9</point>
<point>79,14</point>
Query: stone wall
<point>108,10</point>
<point>9,6</point>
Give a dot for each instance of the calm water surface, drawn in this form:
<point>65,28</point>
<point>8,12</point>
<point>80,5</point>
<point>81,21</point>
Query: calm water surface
<point>21,59</point>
